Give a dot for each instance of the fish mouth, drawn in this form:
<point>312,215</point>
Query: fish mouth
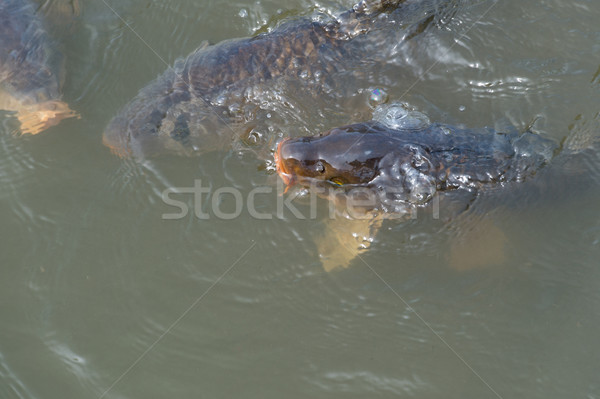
<point>288,178</point>
<point>116,146</point>
<point>115,138</point>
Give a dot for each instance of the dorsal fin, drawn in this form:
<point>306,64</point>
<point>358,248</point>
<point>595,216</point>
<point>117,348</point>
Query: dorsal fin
<point>583,133</point>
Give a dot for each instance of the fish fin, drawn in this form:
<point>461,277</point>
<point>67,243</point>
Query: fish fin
<point>37,118</point>
<point>76,7</point>
<point>60,17</point>
<point>343,239</point>
<point>480,246</point>
<point>203,44</point>
<point>64,9</point>
<point>583,133</point>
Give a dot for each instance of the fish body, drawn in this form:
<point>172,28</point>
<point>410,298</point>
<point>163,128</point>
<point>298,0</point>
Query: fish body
<point>374,171</point>
<point>211,95</point>
<point>410,165</point>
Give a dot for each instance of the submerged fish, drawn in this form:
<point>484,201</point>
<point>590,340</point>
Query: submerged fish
<point>31,68</point>
<point>199,104</point>
<point>378,170</point>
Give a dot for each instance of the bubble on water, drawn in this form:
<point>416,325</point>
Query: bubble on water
<point>399,116</point>
<point>406,181</point>
<point>220,100</point>
<point>462,108</point>
<point>253,137</point>
<point>421,186</point>
<point>303,193</point>
<point>270,166</point>
<point>378,97</point>
<point>243,13</point>
<point>235,108</point>
<point>420,163</point>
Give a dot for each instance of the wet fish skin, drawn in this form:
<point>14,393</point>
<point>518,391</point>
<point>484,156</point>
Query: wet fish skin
<point>203,87</point>
<point>28,65</point>
<point>412,163</point>
<point>31,68</point>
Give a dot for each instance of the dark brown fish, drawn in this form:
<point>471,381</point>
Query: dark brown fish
<point>31,68</point>
<point>407,166</point>
<point>374,171</point>
<point>199,104</point>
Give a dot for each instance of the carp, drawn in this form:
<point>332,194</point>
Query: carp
<point>31,66</point>
<point>212,95</point>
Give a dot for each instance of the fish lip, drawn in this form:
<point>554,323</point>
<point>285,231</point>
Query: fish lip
<point>117,144</point>
<point>288,178</point>
<point>117,138</point>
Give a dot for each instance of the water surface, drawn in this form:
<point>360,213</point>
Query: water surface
<point>102,297</point>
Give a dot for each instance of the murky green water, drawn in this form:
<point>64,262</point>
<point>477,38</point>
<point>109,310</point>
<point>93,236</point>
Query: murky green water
<point>102,297</point>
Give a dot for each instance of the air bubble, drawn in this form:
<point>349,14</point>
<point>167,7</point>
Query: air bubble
<point>398,116</point>
<point>378,97</point>
<point>220,100</point>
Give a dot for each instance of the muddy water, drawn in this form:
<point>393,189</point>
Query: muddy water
<point>101,296</point>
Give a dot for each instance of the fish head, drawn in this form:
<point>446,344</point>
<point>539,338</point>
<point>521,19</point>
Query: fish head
<point>349,155</point>
<point>394,166</point>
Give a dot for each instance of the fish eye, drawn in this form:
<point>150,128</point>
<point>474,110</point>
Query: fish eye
<point>338,181</point>
<point>319,167</point>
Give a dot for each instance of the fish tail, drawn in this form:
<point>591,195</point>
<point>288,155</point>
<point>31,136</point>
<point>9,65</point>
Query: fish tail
<point>583,134</point>
<point>36,118</point>
<point>578,160</point>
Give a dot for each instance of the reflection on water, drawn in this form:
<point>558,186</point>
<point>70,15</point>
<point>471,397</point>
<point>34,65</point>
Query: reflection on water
<point>92,276</point>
